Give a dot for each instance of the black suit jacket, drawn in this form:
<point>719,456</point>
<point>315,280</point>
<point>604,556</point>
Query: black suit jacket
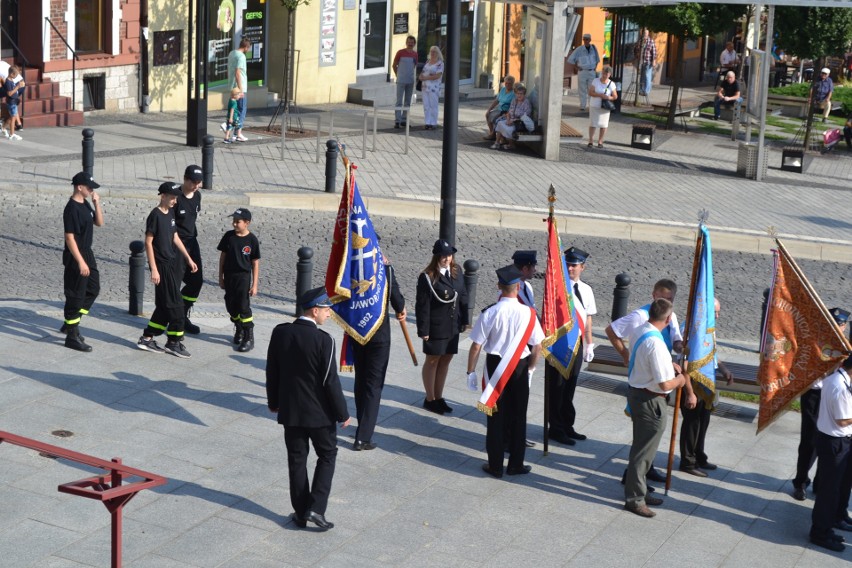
<point>301,377</point>
<point>435,318</point>
<point>397,301</point>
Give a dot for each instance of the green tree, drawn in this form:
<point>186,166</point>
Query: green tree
<point>687,20</point>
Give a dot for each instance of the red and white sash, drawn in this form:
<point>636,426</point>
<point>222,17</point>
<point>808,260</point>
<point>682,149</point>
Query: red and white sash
<point>508,363</point>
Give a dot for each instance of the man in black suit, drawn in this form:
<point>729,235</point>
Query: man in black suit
<point>303,387</point>
<point>371,365</point>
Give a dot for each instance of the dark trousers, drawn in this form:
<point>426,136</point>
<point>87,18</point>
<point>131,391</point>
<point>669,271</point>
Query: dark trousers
<point>312,496</point>
<point>80,291</point>
<point>693,431</point>
<point>648,413</point>
<point>192,281</point>
<point>807,441</point>
<point>847,134</point>
<point>511,407</point>
<point>237,302</point>
<point>561,395</point>
<point>371,364</point>
<point>168,313</point>
<point>835,482</point>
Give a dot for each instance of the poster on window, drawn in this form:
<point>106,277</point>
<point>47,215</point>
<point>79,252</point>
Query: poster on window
<point>220,39</point>
<point>328,33</point>
<point>254,29</point>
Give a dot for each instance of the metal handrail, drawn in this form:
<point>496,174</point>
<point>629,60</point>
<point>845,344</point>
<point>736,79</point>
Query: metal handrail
<point>74,60</point>
<point>112,489</point>
<point>26,63</point>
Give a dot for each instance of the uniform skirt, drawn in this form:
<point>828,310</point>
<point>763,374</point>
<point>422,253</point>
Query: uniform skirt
<point>449,346</point>
<point>598,117</point>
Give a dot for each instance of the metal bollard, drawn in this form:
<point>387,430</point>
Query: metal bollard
<point>471,277</point>
<point>207,162</point>
<point>137,277</point>
<point>331,165</point>
<point>620,295</point>
<point>304,274</point>
<point>764,309</point>
<point>89,151</point>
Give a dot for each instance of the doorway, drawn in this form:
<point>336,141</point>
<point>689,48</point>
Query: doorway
<point>372,42</point>
<point>9,23</point>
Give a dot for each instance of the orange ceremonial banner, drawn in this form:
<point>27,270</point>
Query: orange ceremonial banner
<point>801,342</point>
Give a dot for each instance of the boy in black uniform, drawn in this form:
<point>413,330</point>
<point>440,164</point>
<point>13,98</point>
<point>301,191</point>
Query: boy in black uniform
<point>162,246</point>
<point>186,213</point>
<point>81,279</point>
<point>239,271</point>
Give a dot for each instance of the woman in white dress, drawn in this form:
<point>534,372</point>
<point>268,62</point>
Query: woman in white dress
<point>601,89</point>
<point>431,77</point>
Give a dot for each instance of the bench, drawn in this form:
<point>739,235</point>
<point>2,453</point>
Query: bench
<point>565,130</point>
<point>607,360</point>
<point>795,106</point>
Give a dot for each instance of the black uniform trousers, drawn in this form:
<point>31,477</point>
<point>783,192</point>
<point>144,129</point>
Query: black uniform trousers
<point>168,313</point>
<point>511,407</point>
<point>312,496</point>
<point>835,483</point>
<point>237,302</point>
<point>80,291</point>
<point>371,365</point>
<point>807,443</point>
<point>693,431</point>
<point>192,280</point>
<point>561,395</point>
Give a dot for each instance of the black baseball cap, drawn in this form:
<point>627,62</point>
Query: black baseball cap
<point>193,173</point>
<point>83,178</point>
<point>241,213</point>
<point>169,188</point>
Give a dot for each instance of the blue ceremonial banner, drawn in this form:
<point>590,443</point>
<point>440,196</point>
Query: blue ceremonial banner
<point>702,327</point>
<point>355,280</point>
<point>562,336</point>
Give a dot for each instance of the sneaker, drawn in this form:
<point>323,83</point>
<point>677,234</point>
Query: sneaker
<point>242,138</point>
<point>148,344</point>
<point>223,127</point>
<point>227,140</point>
<point>495,146</point>
<point>5,132</point>
<point>177,349</point>
<point>15,137</point>
<point>233,138</point>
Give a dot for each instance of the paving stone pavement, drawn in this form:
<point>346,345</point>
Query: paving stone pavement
<point>420,499</point>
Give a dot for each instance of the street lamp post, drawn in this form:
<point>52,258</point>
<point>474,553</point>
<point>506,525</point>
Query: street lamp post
<point>197,83</point>
<point>449,156</point>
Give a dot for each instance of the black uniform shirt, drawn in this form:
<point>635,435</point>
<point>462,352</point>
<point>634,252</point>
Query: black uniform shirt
<point>186,213</point>
<point>79,219</point>
<point>730,89</point>
<point>162,226</point>
<point>239,251</point>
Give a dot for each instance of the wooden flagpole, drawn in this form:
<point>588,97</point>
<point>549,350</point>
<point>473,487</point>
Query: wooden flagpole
<point>702,217</point>
<point>408,342</point>
<point>551,199</point>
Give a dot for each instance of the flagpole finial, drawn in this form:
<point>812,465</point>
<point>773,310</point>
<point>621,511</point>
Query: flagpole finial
<point>772,231</point>
<point>703,215</point>
<point>551,195</point>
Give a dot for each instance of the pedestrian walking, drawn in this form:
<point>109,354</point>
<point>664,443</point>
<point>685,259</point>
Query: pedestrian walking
<point>186,215</point>
<point>303,389</point>
<point>239,273</point>
<point>81,279</point>
<point>238,78</point>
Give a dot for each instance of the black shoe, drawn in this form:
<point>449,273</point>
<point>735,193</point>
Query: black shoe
<point>444,405</point>
<point>65,327</point>
<point>799,492</point>
<point>708,466</point>
<point>238,334</point>
<point>319,521</point>
<point>518,470</point>
<point>247,343</point>
<point>654,475</point>
<point>693,471</point>
<point>190,327</point>
<point>843,526</point>
<point>576,436</point>
<point>299,521</point>
<point>836,537</point>
<point>397,125</point>
<point>358,446</point>
<point>829,543</point>
<point>492,472</point>
<point>562,438</point>
<point>75,341</point>
<point>433,406</point>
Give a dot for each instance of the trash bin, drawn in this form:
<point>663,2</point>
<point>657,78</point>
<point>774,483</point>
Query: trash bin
<point>747,161</point>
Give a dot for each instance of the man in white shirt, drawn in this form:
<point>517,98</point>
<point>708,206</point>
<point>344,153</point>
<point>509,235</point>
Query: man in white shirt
<point>834,451</point>
<point>586,59</point>
<point>652,375</point>
<point>499,331</point>
<point>728,59</point>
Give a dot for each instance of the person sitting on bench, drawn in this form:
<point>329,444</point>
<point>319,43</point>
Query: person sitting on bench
<point>729,95</point>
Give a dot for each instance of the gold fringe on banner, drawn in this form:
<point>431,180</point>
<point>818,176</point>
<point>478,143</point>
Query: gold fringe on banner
<point>488,411</point>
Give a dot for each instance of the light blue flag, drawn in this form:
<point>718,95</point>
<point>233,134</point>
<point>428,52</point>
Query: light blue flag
<point>702,326</point>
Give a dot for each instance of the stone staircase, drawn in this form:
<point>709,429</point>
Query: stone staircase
<point>43,105</point>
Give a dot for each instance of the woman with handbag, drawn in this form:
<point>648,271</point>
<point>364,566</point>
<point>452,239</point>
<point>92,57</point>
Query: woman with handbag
<point>517,117</point>
<point>602,93</point>
<point>431,76</point>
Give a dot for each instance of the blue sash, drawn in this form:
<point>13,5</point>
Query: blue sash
<point>666,333</point>
<point>645,336</point>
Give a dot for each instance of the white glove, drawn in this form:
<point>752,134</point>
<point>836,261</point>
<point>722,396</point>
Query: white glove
<point>588,352</point>
<point>529,375</point>
<point>472,382</point>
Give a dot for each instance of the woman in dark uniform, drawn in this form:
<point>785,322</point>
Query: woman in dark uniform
<point>441,308</point>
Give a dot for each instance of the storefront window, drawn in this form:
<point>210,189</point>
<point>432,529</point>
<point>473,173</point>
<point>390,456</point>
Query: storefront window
<point>89,26</point>
<point>433,31</point>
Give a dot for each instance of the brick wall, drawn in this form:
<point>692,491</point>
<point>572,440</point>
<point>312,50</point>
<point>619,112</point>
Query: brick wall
<point>57,16</point>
